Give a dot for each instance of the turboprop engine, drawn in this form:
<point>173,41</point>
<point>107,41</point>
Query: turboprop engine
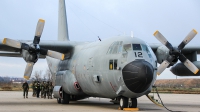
<point>181,70</point>
<point>162,53</point>
<point>31,52</point>
<point>175,53</point>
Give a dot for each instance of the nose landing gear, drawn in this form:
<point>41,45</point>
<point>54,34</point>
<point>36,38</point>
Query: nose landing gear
<point>128,103</point>
<point>123,103</point>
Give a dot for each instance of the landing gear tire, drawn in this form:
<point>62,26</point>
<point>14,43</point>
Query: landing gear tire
<point>123,103</point>
<point>66,98</point>
<point>133,103</point>
<point>59,100</point>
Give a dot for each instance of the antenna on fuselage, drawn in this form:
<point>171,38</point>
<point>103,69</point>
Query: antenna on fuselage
<point>132,34</point>
<point>99,38</point>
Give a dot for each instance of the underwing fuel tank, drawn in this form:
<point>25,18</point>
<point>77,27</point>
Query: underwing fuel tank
<point>180,69</point>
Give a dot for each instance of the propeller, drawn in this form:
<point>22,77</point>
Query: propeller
<point>33,51</point>
<point>175,53</point>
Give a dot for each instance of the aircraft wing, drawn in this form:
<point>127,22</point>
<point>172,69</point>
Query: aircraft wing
<point>187,49</point>
<point>168,55</point>
<point>59,46</point>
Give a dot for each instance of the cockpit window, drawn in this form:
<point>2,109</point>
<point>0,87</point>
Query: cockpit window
<point>115,48</point>
<point>144,47</point>
<point>137,47</point>
<point>126,47</point>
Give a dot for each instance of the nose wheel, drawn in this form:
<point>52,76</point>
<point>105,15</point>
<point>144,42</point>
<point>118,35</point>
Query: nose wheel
<point>132,103</point>
<point>123,103</point>
<point>127,103</point>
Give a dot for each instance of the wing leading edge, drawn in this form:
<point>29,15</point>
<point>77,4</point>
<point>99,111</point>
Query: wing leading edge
<point>59,46</point>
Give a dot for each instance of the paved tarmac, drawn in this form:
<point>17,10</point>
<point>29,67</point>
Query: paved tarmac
<point>12,101</point>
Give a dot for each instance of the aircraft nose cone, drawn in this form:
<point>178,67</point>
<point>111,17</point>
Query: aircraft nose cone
<point>138,75</point>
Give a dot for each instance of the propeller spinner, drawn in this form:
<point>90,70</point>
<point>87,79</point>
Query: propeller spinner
<point>33,49</point>
<point>175,53</point>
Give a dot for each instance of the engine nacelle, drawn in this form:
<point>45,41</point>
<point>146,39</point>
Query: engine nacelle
<point>162,53</point>
<point>181,70</point>
<point>68,81</point>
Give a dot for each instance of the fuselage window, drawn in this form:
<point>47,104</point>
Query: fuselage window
<point>137,47</point>
<point>111,65</point>
<point>115,64</point>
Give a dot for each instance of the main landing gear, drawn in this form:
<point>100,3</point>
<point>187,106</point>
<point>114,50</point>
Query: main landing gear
<point>128,103</point>
<point>65,99</point>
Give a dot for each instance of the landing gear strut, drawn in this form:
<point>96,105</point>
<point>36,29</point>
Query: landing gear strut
<point>127,103</point>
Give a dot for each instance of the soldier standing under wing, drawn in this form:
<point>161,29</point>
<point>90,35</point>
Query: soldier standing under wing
<point>50,89</point>
<point>38,89</point>
<point>25,89</point>
<point>42,89</point>
<point>34,88</point>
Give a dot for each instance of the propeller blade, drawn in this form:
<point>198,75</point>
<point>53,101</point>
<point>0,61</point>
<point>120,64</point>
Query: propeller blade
<point>38,32</point>
<point>165,64</point>
<point>188,64</point>
<point>187,39</point>
<point>55,54</point>
<point>162,67</point>
<point>28,70</point>
<point>163,40</point>
<point>11,43</point>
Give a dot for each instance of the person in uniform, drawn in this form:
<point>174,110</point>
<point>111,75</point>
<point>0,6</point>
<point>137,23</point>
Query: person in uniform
<point>50,89</point>
<point>34,88</point>
<point>38,89</point>
<point>25,89</point>
<point>42,89</point>
<point>46,89</point>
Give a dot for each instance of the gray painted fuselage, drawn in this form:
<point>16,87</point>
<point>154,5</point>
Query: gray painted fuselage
<point>89,60</point>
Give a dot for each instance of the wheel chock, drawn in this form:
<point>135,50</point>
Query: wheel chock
<point>131,109</point>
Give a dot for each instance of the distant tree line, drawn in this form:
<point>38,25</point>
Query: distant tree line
<point>36,76</point>
<point>178,83</point>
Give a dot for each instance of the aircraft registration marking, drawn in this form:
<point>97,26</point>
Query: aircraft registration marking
<point>138,54</point>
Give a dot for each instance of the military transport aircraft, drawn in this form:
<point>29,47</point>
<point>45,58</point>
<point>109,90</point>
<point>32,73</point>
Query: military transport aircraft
<point>121,68</point>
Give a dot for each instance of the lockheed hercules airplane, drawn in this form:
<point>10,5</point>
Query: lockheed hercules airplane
<point>121,68</point>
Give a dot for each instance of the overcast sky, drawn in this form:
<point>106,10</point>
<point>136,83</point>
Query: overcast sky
<point>88,19</point>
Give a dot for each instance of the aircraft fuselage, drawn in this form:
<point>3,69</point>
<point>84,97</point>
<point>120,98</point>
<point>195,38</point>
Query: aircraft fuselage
<point>118,66</point>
